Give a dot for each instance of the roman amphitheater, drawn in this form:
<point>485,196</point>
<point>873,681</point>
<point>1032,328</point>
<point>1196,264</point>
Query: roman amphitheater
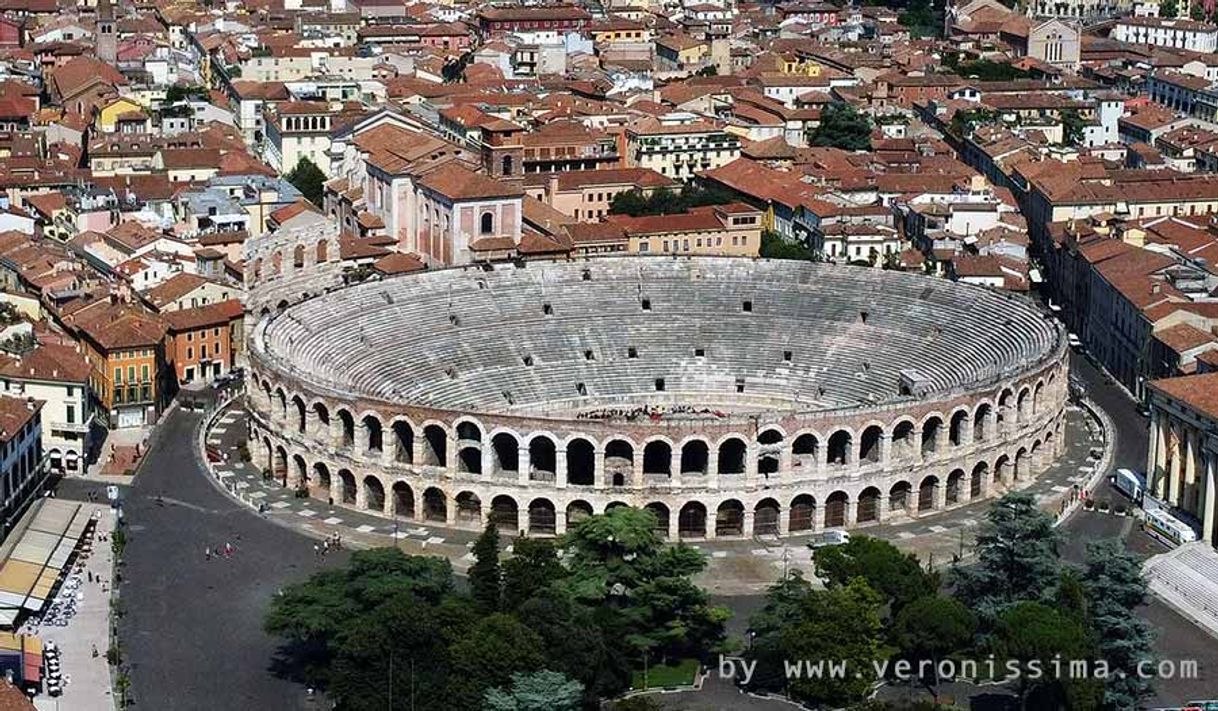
<point>731,397</point>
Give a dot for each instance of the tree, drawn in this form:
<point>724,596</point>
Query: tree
<point>1035,638</point>
<point>539,691</point>
<point>583,642</point>
<point>897,576</point>
<point>931,628</point>
<point>1072,127</point>
<point>309,180</point>
<point>666,202</point>
<point>773,246</point>
<point>1113,588</point>
<point>487,656</point>
<point>842,126</point>
<point>1017,559</point>
<point>1169,9</point>
<point>485,577</point>
<point>534,565</point>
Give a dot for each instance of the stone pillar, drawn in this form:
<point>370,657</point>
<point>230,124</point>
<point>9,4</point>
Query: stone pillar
<point>785,458</point>
<point>416,447</point>
<point>1210,501</point>
<point>637,470</point>
<point>941,439</point>
<point>361,494</point>
<point>450,512</point>
<point>674,526</point>
<point>488,460</point>
<point>560,470</point>
<point>822,457</point>
<point>711,521</point>
<point>598,469</point>
<point>913,501</point>
<point>784,521</point>
<point>852,513</point>
<point>1171,487</point>
<point>712,467</point>
<point>560,522</point>
<point>450,466</point>
<point>886,450</point>
<point>916,437</point>
<point>674,468</point>
<point>524,462</point>
<point>965,494</point>
<point>387,509</point>
<point>940,496</point>
<point>881,508</point>
<point>749,523</point>
<point>1154,457</point>
<point>1187,497</point>
<point>750,465</point>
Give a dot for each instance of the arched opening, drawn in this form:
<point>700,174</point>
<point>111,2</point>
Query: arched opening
<point>980,472</point>
<point>804,450</point>
<point>839,449</point>
<point>298,407</point>
<point>1004,406</point>
<point>835,509</point>
<point>955,480</point>
<point>1021,407</point>
<point>487,223</point>
<point>979,419</point>
<point>869,445</point>
<point>1002,469</point>
<point>926,493</point>
<point>298,256</point>
<point>930,435</point>
<point>347,479</point>
<point>403,442</point>
<point>581,463</point>
<point>657,460</point>
<point>869,505</point>
<point>765,518</point>
<point>903,445</point>
<point>955,433</point>
<point>691,521</point>
<point>616,505</point>
<point>505,514</point>
<point>507,165</point>
<point>695,455</point>
<point>435,505</point>
<point>619,462</point>
<point>578,511</point>
<point>280,469</point>
<point>1021,464</point>
<point>1034,458</point>
<point>301,472</point>
<point>731,456</point>
<point>372,431</point>
<point>321,482</point>
<point>435,446</point>
<point>660,511</point>
<point>374,494</point>
<point>542,458</point>
<point>469,510</point>
<point>898,497</point>
<point>323,251</point>
<point>346,424</point>
<point>541,518</point>
<point>403,500</point>
<point>321,416</point>
<point>769,452</point>
<point>802,516</point>
<point>505,455</point>
<point>729,519</point>
<point>469,448</point>
<point>281,404</point>
<point>468,433</point>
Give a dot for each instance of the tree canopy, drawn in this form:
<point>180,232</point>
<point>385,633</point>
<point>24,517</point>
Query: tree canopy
<point>668,202</point>
<point>309,180</point>
<point>895,575</point>
<point>773,246</point>
<point>842,126</point>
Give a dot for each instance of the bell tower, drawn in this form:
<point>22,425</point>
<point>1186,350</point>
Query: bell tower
<point>107,42</point>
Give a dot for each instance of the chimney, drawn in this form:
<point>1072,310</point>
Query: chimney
<point>551,188</point>
<point>1156,288</point>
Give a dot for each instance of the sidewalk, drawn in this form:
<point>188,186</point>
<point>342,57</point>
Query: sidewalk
<point>119,455</point>
<point>735,566</point>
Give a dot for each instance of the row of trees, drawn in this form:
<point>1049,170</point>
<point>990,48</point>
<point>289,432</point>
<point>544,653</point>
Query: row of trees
<point>1019,604</point>
<point>531,632</point>
<point>668,202</point>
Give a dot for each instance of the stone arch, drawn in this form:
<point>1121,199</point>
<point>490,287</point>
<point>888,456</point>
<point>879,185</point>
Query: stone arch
<point>403,441</point>
<point>469,447</point>
<point>1034,456</point>
<point>1005,401</point>
<point>505,514</point>
<point>840,448</point>
<point>374,435</point>
<point>926,493</point>
<point>955,483</point>
<point>932,425</point>
<point>543,458</point>
<point>1038,396</point>
<point>346,481</point>
<point>869,505</point>
<point>403,499</point>
<point>321,482</point>
<point>980,417</point>
<point>802,514</point>
<point>346,429</point>
<point>469,510</point>
<point>505,455</point>
<point>581,462</point>
<point>657,458</point>
<point>435,505</point>
<point>899,497</point>
<point>835,509</point>
<point>542,517</point>
<point>695,457</point>
<point>298,256</point>
<point>729,519</point>
<point>732,453</point>
<point>1021,464</point>
<point>1002,469</point>
<point>374,494</point>
<point>619,462</point>
<point>281,405</point>
<point>276,263</point>
<point>769,451</point>
<point>766,516</point>
<point>804,450</point>
<point>870,444</point>
<point>662,515</point>
<point>691,521</point>
<point>903,444</point>
<point>298,408</point>
<point>577,511</point>
<point>301,472</point>
<point>977,480</point>
<point>1022,403</point>
<point>322,252</point>
<point>957,427</point>
<point>279,468</point>
<point>321,418</point>
<point>435,445</point>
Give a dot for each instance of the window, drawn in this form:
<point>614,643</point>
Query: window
<point>190,353</point>
<point>190,337</point>
<point>786,356</point>
<point>647,304</point>
<point>644,246</point>
<point>699,352</point>
<point>144,372</point>
<point>528,361</point>
<point>71,414</point>
<point>202,356</point>
<point>747,307</point>
<point>579,388</point>
<point>130,373</point>
<point>589,355</point>
<point>547,309</point>
<point>488,223</point>
<point>632,352</point>
<point>659,385</point>
<point>118,374</point>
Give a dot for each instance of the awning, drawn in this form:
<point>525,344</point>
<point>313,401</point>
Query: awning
<point>47,537</point>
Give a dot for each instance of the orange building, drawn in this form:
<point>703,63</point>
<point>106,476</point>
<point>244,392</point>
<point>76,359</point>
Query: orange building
<point>125,348</point>
<point>201,343</point>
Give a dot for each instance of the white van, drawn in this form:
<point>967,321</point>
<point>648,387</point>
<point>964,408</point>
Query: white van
<point>829,538</point>
<point>1129,483</point>
<point>1168,529</point>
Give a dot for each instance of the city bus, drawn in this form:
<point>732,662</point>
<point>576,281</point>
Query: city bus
<point>1168,529</point>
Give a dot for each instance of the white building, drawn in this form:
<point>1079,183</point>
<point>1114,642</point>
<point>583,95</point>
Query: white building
<point>58,377</point>
<point>1175,33</point>
<point>21,467</point>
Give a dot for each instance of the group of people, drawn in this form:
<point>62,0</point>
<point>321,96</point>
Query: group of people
<point>227,551</point>
<point>332,542</point>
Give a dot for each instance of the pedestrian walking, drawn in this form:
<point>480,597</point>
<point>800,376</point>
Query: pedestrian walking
<point>316,550</point>
<point>207,553</point>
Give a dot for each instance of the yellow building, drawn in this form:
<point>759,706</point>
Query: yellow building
<point>111,117</point>
<point>732,230</point>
